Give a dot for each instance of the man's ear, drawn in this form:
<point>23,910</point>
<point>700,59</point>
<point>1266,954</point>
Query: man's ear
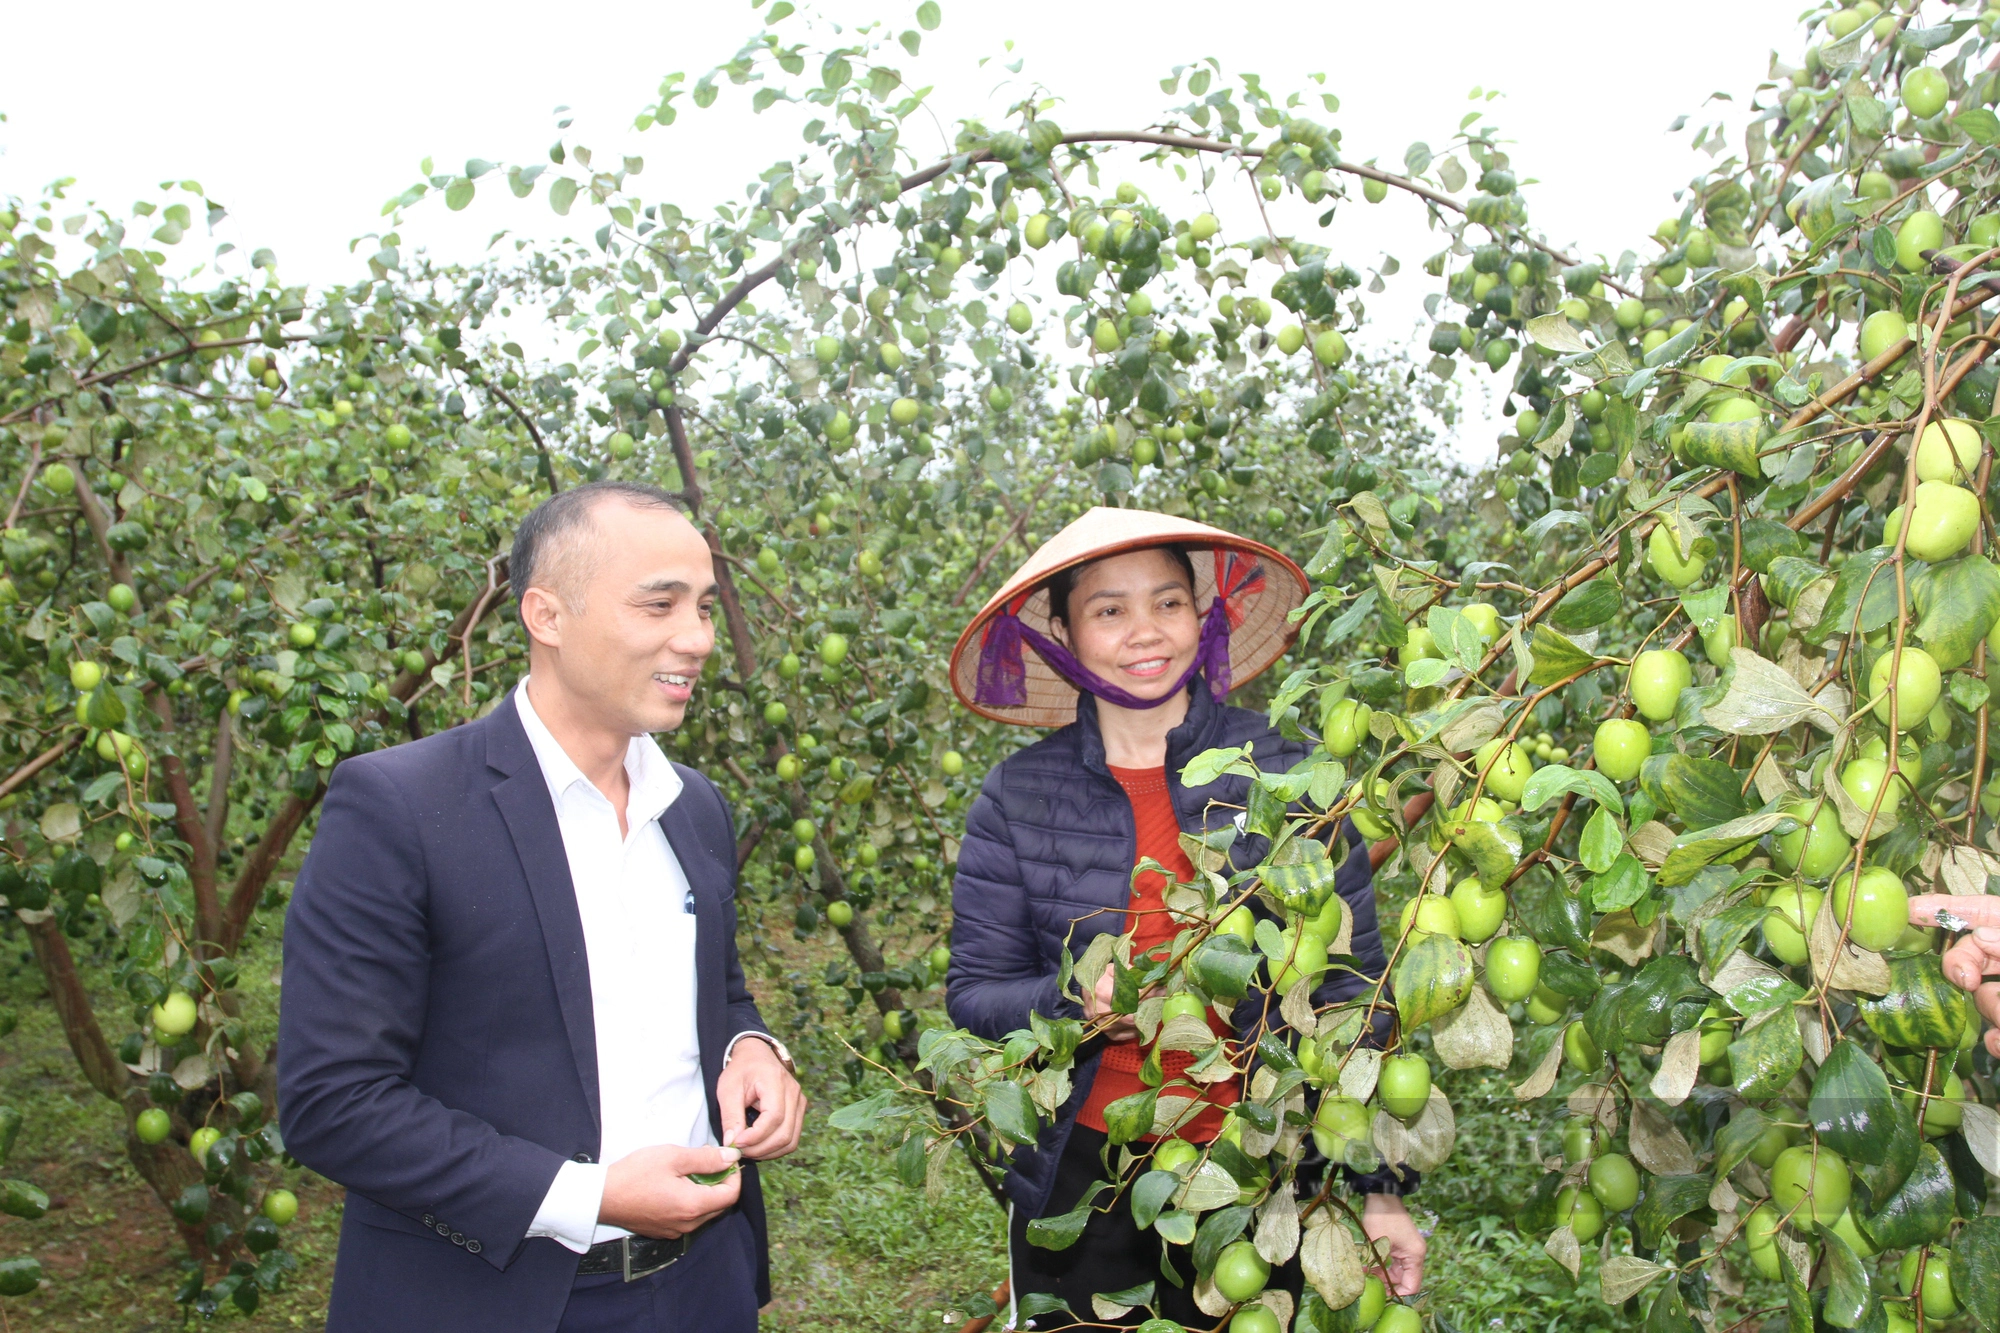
<point>542,612</point>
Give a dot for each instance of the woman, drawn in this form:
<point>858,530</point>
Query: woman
<point>1124,631</point>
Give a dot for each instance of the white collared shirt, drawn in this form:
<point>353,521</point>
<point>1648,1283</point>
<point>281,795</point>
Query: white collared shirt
<point>639,940</point>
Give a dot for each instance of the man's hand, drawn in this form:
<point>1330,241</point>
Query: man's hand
<point>755,1077</point>
<point>1384,1218</point>
<point>649,1193</point>
<point>1097,1003</point>
<point>1967,962</point>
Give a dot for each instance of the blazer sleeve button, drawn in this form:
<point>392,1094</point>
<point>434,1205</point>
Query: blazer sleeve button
<point>458,1238</point>
<point>472,1247</point>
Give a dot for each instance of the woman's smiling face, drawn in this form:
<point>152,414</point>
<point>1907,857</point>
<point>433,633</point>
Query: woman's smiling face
<point>1132,621</point>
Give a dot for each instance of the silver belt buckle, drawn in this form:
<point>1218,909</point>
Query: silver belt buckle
<point>625,1258</point>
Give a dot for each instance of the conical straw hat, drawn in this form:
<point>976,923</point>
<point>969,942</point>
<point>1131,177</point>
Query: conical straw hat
<point>1261,630</point>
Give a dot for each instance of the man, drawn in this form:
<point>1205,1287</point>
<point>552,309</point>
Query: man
<point>514,1024</point>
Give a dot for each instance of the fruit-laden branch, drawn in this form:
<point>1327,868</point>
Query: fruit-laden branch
<point>193,831</point>
<point>118,373</point>
<point>26,772</point>
<point>1014,530</point>
<point>1827,400</point>
<point>100,1064</point>
<point>99,520</point>
<point>27,482</point>
<point>541,445</point>
<point>751,281</point>
<point>291,816</point>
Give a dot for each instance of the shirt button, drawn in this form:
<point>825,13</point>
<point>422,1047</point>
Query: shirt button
<point>583,1157</point>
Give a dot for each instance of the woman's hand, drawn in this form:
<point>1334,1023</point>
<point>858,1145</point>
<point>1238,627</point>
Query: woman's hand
<point>1097,1003</point>
<point>1384,1218</point>
<point>1968,961</point>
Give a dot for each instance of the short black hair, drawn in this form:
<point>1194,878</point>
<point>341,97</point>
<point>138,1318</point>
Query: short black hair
<point>563,515</point>
<point>1063,582</point>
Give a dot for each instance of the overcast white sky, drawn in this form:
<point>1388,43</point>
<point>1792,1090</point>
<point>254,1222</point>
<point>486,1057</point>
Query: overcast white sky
<point>303,119</point>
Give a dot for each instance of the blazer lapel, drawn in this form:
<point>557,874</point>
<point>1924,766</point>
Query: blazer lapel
<point>705,875</point>
<point>531,820</point>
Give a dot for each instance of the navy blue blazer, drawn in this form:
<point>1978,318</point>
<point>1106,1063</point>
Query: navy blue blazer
<point>436,1048</point>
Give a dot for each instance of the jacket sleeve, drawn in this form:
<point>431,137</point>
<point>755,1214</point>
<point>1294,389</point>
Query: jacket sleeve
<point>356,990</point>
<point>997,974</point>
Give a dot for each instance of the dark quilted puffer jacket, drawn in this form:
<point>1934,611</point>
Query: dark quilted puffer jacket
<point>1051,840</point>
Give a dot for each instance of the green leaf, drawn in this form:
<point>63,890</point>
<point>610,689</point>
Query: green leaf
<point>1011,1111</point>
<point>1861,598</point>
<point>1209,765</point>
<point>1302,887</point>
<point>1584,608</point>
<point>928,16</point>
<point>1692,851</point>
<point>1848,1298</point>
<point>1150,1194</point>
<point>1921,1008</point>
<point>1060,1232</point>
<point>1676,347</point>
<point>1552,780</point>
<point>1664,997</point>
<point>1703,792</point>
<point>1983,128</point>
<point>1961,603</point>
<point>1723,932</point>
<point>1130,1116</point>
<point>1619,887</point>
<point>1493,849</point>
<point>1217,1230</point>
<point>1798,1301</point>
<point>1224,965</point>
<point>1425,672</point>
<point>458,194</point>
<point>1669,1313</point>
<point>858,1117</point>
<point>1668,1199</point>
<point>1851,1106</point>
<point>1730,445</point>
<point>1557,658</point>
<point>1975,1259</point>
<point>1565,975</point>
<point>1765,1057</point>
<point>20,1199</point>
<point>1918,1213</point>
<point>1735,1139</point>
<point>1176,1227</point>
<point>1432,978</point>
<point>562,194</point>
<point>1601,842</point>
<point>1551,913</point>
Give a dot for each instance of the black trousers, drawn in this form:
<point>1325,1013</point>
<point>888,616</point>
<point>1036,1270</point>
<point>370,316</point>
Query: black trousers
<point>1112,1254</point>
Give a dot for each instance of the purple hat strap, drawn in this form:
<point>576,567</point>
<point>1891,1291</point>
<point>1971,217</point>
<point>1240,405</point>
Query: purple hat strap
<point>1003,677</point>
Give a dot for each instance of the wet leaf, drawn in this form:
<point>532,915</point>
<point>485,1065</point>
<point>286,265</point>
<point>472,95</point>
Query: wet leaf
<point>1765,1057</point>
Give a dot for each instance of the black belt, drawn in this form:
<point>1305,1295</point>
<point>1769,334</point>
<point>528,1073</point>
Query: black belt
<point>634,1257</point>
